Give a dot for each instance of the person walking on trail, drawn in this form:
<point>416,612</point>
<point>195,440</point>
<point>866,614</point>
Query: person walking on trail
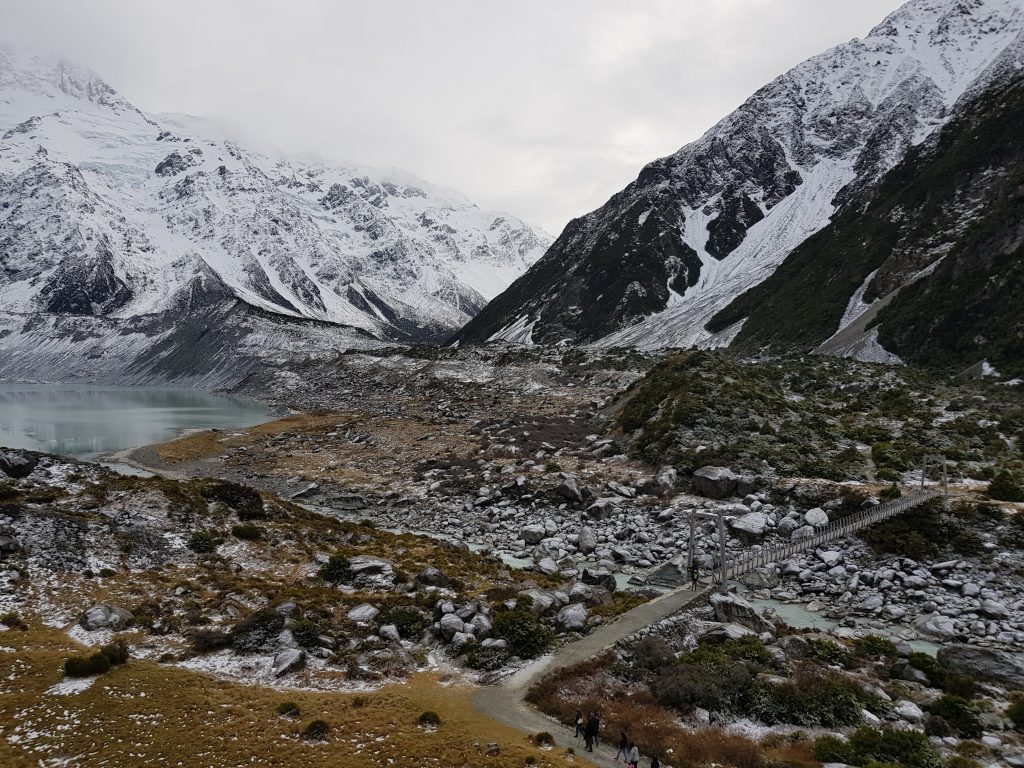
<point>579,724</point>
<point>694,577</point>
<point>623,748</point>
<point>590,732</point>
<point>597,730</point>
<point>655,762</point>
<point>634,757</point>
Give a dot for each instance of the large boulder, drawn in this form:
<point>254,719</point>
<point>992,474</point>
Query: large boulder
<point>733,609</point>
<point>451,625</point>
<point>714,482</point>
<point>106,616</point>
<point>751,524</point>
<point>370,572</point>
<point>572,618</point>
<point>363,614</point>
<point>532,534</point>
<point>17,464</point>
<point>936,625</point>
<point>289,660</point>
<point>587,542</point>
<point>816,517</point>
<point>569,489</point>
<point>603,508</point>
<point>599,577</point>
<point>589,594</point>
<point>432,577</point>
<point>985,663</point>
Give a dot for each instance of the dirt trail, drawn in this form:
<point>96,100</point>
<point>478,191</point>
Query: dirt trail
<point>504,701</point>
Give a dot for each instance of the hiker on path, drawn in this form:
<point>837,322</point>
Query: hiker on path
<point>655,762</point>
<point>634,756</point>
<point>597,730</point>
<point>590,732</point>
<point>623,748</point>
<point>579,724</point>
<point>694,577</point>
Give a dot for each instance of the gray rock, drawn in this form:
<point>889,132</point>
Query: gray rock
<point>363,614</point>
<point>733,609</point>
<point>714,482</point>
<point>390,632</point>
<point>909,711</point>
<point>17,464</point>
<point>816,517</point>
<point>432,577</point>
<point>587,542</point>
<point>572,618</point>
<point>589,594</point>
<point>802,532</point>
<point>547,566</point>
<point>985,663</point>
<point>936,625</point>
<point>569,489</point>
<point>602,509</point>
<point>106,616</point>
<point>752,523</point>
<point>371,572</point>
<point>993,609</point>
<point>532,534</point>
<point>451,625</point>
<point>599,577</point>
<point>460,640</point>
<point>480,626</point>
<point>289,660</point>
<point>720,632</point>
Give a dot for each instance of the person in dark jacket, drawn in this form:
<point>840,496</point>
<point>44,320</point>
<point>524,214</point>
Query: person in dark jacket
<point>578,720</point>
<point>655,762</point>
<point>623,747</point>
<point>590,732</point>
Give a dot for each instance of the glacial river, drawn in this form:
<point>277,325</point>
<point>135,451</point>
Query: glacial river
<point>85,421</point>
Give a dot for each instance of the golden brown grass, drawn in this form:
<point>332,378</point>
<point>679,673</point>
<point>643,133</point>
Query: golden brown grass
<point>147,714</point>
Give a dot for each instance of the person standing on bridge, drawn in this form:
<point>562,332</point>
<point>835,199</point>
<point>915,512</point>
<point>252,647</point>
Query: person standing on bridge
<point>694,577</point>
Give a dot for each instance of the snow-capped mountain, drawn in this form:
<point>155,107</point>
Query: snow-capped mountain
<point>109,212</point>
<point>703,226</point>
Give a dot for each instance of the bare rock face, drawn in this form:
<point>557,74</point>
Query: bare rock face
<point>715,482</point>
<point>17,464</point>
<point>986,663</point>
<point>734,609</point>
<point>289,660</point>
<point>105,616</point>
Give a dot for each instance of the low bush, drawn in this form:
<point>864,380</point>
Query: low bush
<point>289,709</point>
<point>12,620</point>
<point>526,636</point>
<point>428,720</point>
<point>306,633</point>
<point>116,652</point>
<point>1016,714</point>
<point>202,542</point>
<point>208,640</point>
<point>409,620</point>
<point>543,739</point>
<point>336,570</point>
<point>872,746</point>
<point>941,677</point>
<point>257,632</point>
<point>874,647</point>
<point>316,730</point>
<point>828,652</point>
<point>247,532</point>
<point>486,659</point>
<point>86,666</point>
<point>962,716</point>
<point>1005,487</point>
<point>245,501</point>
<point>810,699</point>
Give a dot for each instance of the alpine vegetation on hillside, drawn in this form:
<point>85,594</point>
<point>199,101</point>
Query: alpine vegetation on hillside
<point>696,229</point>
<point>124,230</point>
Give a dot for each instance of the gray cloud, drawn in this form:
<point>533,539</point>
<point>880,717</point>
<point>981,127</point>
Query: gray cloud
<point>540,108</point>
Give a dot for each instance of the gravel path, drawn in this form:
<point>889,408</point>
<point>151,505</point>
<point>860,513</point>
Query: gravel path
<point>504,701</point>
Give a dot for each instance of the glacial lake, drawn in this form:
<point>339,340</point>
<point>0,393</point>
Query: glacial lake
<point>85,421</point>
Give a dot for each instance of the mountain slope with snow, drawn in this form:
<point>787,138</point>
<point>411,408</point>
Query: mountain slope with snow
<point>701,227</point>
<point>105,212</point>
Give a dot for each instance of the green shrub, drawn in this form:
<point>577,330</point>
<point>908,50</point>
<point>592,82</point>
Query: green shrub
<point>306,633</point>
<point>207,640</point>
<point>810,699</point>
<point>245,501</point>
<point>1005,487</point>
<point>428,720</point>
<point>870,747</point>
<point>11,620</point>
<point>874,646</point>
<point>941,677</point>
<point>116,652</point>
<point>543,739</point>
<point>86,666</point>
<point>526,636</point>
<point>409,620</point>
<point>888,475</point>
<point>961,715</point>
<point>202,542</point>
<point>1016,714</point>
<point>890,493</point>
<point>336,570</point>
<point>257,632</point>
<point>687,685</point>
<point>289,709</point>
<point>828,652</point>
<point>247,531</point>
<point>486,658</point>
<point>316,731</point>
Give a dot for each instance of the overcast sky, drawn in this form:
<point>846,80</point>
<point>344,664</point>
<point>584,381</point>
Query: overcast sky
<point>543,108</point>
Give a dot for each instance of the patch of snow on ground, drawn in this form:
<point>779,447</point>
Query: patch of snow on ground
<point>69,686</point>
